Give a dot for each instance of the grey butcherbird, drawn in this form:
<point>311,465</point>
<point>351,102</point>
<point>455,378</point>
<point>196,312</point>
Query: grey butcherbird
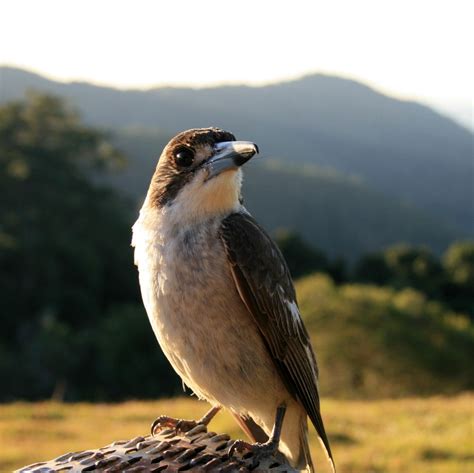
<point>220,298</point>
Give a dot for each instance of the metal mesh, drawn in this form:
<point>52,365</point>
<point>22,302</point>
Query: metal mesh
<point>168,451</point>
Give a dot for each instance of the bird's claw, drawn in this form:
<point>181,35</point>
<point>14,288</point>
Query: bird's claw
<point>179,425</point>
<point>258,450</point>
<point>239,446</point>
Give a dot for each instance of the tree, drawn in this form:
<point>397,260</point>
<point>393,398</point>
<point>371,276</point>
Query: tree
<point>402,266</point>
<point>458,263</point>
<point>54,220</point>
<point>416,267</point>
<point>372,268</point>
<point>65,252</point>
<point>129,360</point>
<point>301,258</point>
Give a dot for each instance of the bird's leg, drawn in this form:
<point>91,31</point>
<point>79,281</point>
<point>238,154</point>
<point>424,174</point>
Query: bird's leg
<point>181,425</point>
<point>209,415</point>
<point>270,447</point>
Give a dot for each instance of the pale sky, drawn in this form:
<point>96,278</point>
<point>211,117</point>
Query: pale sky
<point>408,48</point>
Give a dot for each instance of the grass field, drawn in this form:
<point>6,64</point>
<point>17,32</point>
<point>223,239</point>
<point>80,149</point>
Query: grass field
<point>416,435</point>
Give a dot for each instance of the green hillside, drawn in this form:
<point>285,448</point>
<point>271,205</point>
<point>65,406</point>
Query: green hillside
<point>374,341</point>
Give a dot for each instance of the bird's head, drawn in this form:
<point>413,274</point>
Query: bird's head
<point>198,173</point>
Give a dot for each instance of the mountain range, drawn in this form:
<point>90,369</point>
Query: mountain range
<point>348,167</point>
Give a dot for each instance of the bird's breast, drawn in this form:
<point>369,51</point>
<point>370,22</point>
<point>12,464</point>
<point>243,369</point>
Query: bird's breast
<point>196,313</point>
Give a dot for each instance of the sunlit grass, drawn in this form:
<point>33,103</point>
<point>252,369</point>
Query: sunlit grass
<point>420,435</point>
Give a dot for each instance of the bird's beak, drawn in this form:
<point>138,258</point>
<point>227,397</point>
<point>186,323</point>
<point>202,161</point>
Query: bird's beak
<point>230,155</point>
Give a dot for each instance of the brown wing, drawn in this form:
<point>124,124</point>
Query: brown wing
<point>265,286</point>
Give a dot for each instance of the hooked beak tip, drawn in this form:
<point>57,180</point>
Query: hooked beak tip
<point>230,155</point>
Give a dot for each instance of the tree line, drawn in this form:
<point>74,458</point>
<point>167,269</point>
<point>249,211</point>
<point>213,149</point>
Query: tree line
<point>448,279</point>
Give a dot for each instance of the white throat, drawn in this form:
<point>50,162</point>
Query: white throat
<point>200,200</point>
<point>196,203</point>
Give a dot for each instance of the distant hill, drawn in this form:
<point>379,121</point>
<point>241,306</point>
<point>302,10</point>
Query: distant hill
<point>401,148</point>
<point>413,167</point>
<point>337,214</point>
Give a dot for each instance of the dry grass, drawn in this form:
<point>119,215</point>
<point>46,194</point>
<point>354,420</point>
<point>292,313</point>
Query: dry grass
<point>432,435</point>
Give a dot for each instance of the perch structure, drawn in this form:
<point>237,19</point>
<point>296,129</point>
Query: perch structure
<point>168,451</point>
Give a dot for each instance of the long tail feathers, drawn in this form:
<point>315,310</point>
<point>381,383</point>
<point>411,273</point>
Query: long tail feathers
<point>305,455</point>
<point>317,421</point>
<point>328,455</point>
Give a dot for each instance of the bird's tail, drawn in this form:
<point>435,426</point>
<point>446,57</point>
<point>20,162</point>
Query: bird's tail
<point>317,421</point>
<point>305,461</point>
<point>304,458</point>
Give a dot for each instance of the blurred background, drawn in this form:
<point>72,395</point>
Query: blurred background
<point>363,115</point>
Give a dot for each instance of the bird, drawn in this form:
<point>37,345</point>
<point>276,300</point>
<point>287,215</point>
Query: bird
<point>221,301</point>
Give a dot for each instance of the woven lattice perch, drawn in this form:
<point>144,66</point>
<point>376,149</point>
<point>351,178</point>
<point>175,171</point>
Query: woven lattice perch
<point>195,451</point>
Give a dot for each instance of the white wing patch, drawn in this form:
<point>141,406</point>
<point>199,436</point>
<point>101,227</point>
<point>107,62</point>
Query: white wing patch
<point>294,311</point>
<point>291,305</point>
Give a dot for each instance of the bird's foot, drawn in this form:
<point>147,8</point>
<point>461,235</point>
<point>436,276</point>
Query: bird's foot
<point>258,451</point>
<point>179,425</point>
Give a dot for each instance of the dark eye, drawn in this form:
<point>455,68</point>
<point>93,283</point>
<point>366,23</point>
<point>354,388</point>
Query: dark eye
<point>184,157</point>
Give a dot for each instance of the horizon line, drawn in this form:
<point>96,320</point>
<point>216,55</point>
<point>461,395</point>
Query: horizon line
<point>212,85</point>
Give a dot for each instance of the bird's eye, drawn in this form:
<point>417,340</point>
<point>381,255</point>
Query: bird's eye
<point>184,157</point>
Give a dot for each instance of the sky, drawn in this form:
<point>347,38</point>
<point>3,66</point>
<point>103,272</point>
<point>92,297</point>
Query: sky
<point>412,49</point>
